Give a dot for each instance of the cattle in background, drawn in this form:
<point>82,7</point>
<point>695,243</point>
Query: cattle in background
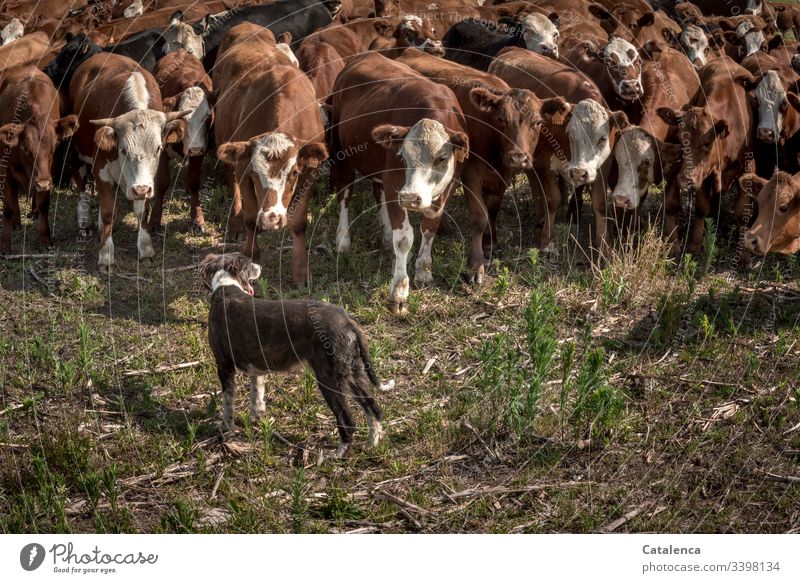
<point>777,225</point>
<point>443,14</point>
<point>694,42</point>
<point>322,56</point>
<point>123,138</point>
<point>26,49</point>
<point>185,86</point>
<point>297,17</point>
<point>11,31</point>
<point>406,132</point>
<point>717,131</point>
<point>410,33</point>
<point>271,136</point>
<point>31,127</point>
<point>504,126</point>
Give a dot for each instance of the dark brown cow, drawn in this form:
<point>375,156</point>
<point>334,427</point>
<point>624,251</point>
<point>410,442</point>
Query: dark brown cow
<point>777,225</point>
<point>504,126</point>
<point>716,134</point>
<point>271,137</point>
<point>30,129</point>
<point>185,86</point>
<point>123,138</point>
<point>408,133</point>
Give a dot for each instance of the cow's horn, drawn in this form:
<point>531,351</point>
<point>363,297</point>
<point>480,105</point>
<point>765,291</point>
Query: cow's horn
<point>173,115</point>
<point>102,122</point>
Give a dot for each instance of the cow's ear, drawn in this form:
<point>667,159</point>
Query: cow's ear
<point>672,116</point>
<point>389,136</point>
<point>9,134</point>
<point>619,120</point>
<point>652,50</point>
<point>383,27</point>
<point>66,126</point>
<point>212,97</point>
<point>284,37</point>
<point>233,152</point>
<point>555,111</point>
<point>69,37</point>
<point>599,12</point>
<point>775,42</point>
<point>731,37</point>
<point>169,103</point>
<point>460,145</point>
<point>312,155</point>
<point>554,18</point>
<point>646,19</point>
<point>105,138</point>
<point>176,17</point>
<point>794,99</point>
<point>671,39</point>
<point>592,52</point>
<point>746,80</point>
<point>722,129</point>
<point>205,24</point>
<point>174,131</point>
<point>751,184</point>
<point>485,99</point>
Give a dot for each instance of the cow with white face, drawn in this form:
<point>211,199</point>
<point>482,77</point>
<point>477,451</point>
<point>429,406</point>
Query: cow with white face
<point>617,68</point>
<point>416,148</point>
<point>748,38</point>
<point>11,31</point>
<point>133,9</point>
<point>180,35</point>
<point>540,35</point>
<point>126,147</point>
<point>642,161</point>
<point>777,114</point>
<point>591,130</point>
<point>754,7</point>
<point>693,42</point>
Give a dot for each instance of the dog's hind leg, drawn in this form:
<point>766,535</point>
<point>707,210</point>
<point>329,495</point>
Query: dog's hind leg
<point>371,410</point>
<point>336,399</point>
<point>257,406</point>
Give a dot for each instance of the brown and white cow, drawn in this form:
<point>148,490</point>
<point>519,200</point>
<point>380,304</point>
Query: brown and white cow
<point>504,126</point>
<point>185,86</point>
<point>408,133</point>
<point>11,31</point>
<point>412,31</point>
<point>123,138</point>
<point>270,133</point>
<point>694,42</point>
<point>777,225</point>
<point>615,67</point>
<point>30,129</point>
<point>716,134</point>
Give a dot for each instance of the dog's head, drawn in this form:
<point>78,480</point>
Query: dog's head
<point>237,268</point>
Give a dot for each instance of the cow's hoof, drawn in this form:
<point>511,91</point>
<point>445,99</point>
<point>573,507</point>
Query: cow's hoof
<point>398,307</point>
<point>423,279</point>
<point>550,253</point>
<point>198,229</point>
<point>46,242</point>
<point>106,269</point>
<point>745,259</point>
<point>301,284</point>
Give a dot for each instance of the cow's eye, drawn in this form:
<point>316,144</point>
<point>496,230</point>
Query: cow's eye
<point>646,163</point>
<point>123,152</point>
<point>441,159</point>
<point>602,140</point>
<point>783,208</point>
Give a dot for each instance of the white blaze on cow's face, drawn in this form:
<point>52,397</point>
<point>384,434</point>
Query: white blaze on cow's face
<point>429,153</point>
<point>134,9</point>
<point>624,67</point>
<point>11,31</point>
<point>635,154</point>
<point>194,100</point>
<point>754,7</point>
<point>751,42</point>
<point>180,35</point>
<point>287,50</point>
<point>589,130</point>
<point>695,44</point>
<point>540,34</point>
<point>772,105</point>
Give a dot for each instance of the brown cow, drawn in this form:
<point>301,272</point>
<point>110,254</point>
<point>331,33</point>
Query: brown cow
<point>270,135</point>
<point>30,129</point>
<point>123,138</point>
<point>408,133</point>
<point>26,49</point>
<point>504,126</point>
<point>185,86</point>
<point>441,14</point>
<point>716,134</point>
<point>322,56</point>
<point>777,226</point>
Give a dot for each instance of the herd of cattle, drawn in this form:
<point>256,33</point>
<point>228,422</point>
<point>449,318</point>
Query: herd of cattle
<point>417,97</point>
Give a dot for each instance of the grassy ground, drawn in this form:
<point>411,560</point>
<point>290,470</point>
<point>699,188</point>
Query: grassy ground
<point>646,396</point>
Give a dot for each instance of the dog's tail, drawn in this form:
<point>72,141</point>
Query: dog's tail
<point>369,367</point>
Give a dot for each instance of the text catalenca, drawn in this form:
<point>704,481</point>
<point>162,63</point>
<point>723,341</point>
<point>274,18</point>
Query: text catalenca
<point>670,550</point>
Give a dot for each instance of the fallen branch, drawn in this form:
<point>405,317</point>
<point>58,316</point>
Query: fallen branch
<point>24,256</point>
<point>770,477</point>
<point>161,368</point>
<point>181,268</point>
<point>467,425</point>
<point>505,490</point>
<point>612,526</point>
<point>217,483</point>
<point>11,408</point>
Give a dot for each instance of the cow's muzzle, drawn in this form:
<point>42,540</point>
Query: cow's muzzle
<point>434,47</point>
<point>752,244</point>
<point>580,176</point>
<point>196,152</point>
<point>549,50</point>
<point>630,89</point>
<point>141,191</point>
<point>270,220</point>
<point>43,185</point>
<point>518,160</point>
<point>624,202</point>
<point>410,200</point>
<point>767,135</point>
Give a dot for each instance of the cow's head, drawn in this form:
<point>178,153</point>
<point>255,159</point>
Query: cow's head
<point>138,137</point>
<point>540,34</point>
<point>623,20</point>
<point>623,65</point>
<point>692,41</point>
<point>33,145</point>
<point>748,38</point>
<point>642,161</point>
<point>755,7</point>
<point>387,8</point>
<point>198,120</point>
<point>518,115</point>
<point>133,9</point>
<point>11,31</point>
<point>777,226</point>
<point>273,161</point>
<point>180,35</point>
<point>776,115</point>
<point>72,55</point>
<point>702,140</point>
<point>430,153</point>
<point>591,130</point>
<point>418,33</point>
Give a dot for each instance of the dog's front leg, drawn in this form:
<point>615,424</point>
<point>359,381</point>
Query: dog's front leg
<point>257,406</point>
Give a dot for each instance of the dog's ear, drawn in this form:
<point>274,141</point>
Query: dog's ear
<point>209,266</point>
<point>237,264</point>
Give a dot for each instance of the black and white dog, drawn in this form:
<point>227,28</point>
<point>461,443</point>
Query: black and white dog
<point>260,336</point>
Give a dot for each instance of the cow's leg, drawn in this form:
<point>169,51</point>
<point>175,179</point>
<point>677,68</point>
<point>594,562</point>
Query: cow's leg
<point>379,194</point>
<point>143,242</point>
<point>257,405</point>
<point>742,213</point>
<point>672,208</point>
<point>342,178</point>
<point>42,205</point>
<point>106,215</point>
<point>162,180</point>
<point>249,214</point>
<point>194,176</point>
<point>10,203</point>
<point>236,220</point>
<point>297,221</point>
<point>702,208</point>
<point>546,181</point>
<point>402,240</point>
<point>600,241</point>
<point>479,221</point>
<point>493,202</point>
<point>423,268</point>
